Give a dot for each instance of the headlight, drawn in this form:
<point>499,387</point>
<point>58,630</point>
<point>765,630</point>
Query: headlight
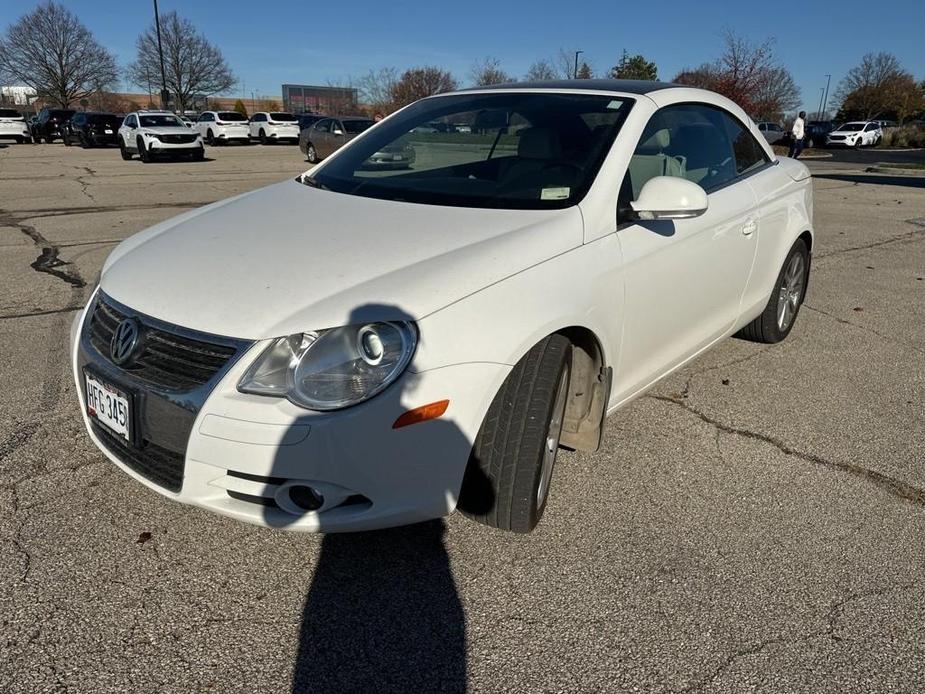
<point>153,136</point>
<point>331,369</point>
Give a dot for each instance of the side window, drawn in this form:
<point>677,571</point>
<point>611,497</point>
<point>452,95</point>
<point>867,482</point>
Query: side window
<point>685,140</point>
<point>130,121</point>
<point>324,125</point>
<point>260,118</point>
<point>871,126</point>
<point>749,155</point>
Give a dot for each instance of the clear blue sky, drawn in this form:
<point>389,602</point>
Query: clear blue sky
<point>287,43</point>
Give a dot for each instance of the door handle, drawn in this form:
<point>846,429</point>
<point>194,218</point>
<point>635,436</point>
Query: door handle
<point>751,226</point>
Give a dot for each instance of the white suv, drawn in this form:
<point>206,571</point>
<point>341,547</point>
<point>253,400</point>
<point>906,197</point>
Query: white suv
<point>152,133</point>
<point>273,127</point>
<point>219,127</point>
<point>13,125</point>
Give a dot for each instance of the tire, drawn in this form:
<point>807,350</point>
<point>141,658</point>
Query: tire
<point>262,136</point>
<point>199,155</point>
<point>210,138</point>
<point>793,279</point>
<point>311,154</point>
<point>126,155</point>
<point>66,139</point>
<point>507,479</point>
<point>878,141</point>
<point>84,141</point>
<point>49,139</point>
<point>859,143</point>
<point>810,143</point>
<point>143,152</point>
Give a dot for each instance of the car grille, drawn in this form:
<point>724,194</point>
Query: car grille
<point>154,463</point>
<point>177,139</point>
<point>836,137</point>
<point>166,359</point>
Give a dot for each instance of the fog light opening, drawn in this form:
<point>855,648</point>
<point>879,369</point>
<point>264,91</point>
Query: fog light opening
<point>305,497</point>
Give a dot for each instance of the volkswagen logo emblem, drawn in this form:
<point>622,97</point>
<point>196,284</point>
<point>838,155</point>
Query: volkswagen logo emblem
<point>124,341</point>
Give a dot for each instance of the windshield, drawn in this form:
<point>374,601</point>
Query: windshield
<point>231,116</point>
<point>358,126</point>
<point>512,150</point>
<point>852,127</point>
<point>160,121</point>
<point>288,117</point>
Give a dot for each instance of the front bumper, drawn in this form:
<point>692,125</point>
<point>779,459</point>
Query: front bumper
<point>242,453</point>
<point>160,147</point>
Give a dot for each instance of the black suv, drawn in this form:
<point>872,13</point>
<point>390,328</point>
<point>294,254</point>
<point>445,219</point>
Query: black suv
<point>92,129</point>
<point>814,133</point>
<point>48,124</point>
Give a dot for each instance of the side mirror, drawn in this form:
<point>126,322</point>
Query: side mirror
<point>339,133</point>
<point>670,197</point>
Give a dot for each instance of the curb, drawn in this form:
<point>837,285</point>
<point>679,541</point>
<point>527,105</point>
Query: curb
<point>896,171</point>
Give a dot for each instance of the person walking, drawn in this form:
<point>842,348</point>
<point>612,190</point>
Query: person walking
<point>797,133</point>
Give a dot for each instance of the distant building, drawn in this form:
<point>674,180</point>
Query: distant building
<point>306,98</point>
<point>19,96</point>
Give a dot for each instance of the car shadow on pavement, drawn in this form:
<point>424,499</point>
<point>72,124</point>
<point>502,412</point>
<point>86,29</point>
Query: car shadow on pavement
<point>876,179</point>
<point>382,613</point>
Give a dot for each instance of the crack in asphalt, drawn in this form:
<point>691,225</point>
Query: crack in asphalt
<point>686,389</point>
<point>834,613</point>
<point>909,236</point>
<point>844,321</point>
<point>895,487</point>
<point>49,312</point>
<point>48,260</point>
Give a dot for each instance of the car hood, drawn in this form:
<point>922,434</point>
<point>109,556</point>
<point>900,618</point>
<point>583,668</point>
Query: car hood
<point>167,129</point>
<point>289,258</point>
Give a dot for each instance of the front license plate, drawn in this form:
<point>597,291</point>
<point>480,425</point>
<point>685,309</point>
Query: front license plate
<point>109,406</point>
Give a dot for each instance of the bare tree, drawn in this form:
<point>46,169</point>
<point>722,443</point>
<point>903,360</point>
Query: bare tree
<point>541,70</point>
<point>193,65</point>
<point>876,86</point>
<point>51,51</point>
<point>775,93</point>
<point>375,89</point>
<point>420,82</point>
<point>748,74</point>
<point>488,71</point>
<point>564,63</point>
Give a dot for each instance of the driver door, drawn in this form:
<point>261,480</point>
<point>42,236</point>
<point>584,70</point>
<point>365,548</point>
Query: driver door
<point>685,278</point>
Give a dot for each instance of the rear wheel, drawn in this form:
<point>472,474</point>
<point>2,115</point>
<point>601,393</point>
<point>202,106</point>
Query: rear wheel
<point>507,479</point>
<point>210,138</point>
<point>778,317</point>
<point>311,154</point>
<point>66,139</point>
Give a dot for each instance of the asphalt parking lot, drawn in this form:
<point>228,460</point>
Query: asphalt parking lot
<point>755,524</point>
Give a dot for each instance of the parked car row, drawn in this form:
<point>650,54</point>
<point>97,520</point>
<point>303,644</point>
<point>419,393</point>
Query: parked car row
<point>820,133</point>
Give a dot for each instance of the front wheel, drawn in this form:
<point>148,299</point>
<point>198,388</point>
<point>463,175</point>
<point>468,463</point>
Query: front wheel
<point>778,317</point>
<point>66,139</point>
<point>126,155</point>
<point>507,479</point>
<point>143,152</point>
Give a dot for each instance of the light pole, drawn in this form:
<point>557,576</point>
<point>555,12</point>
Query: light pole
<point>165,96</point>
<point>825,99</point>
<point>819,110</point>
<point>575,74</point>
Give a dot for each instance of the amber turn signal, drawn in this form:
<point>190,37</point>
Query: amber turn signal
<point>422,414</point>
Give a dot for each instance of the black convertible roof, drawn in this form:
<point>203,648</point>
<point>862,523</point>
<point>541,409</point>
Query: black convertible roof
<point>627,86</point>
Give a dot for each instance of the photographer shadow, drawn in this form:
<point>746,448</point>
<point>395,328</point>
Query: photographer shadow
<point>382,613</point>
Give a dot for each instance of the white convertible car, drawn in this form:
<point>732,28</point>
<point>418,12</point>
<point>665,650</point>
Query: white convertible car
<point>362,347</point>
